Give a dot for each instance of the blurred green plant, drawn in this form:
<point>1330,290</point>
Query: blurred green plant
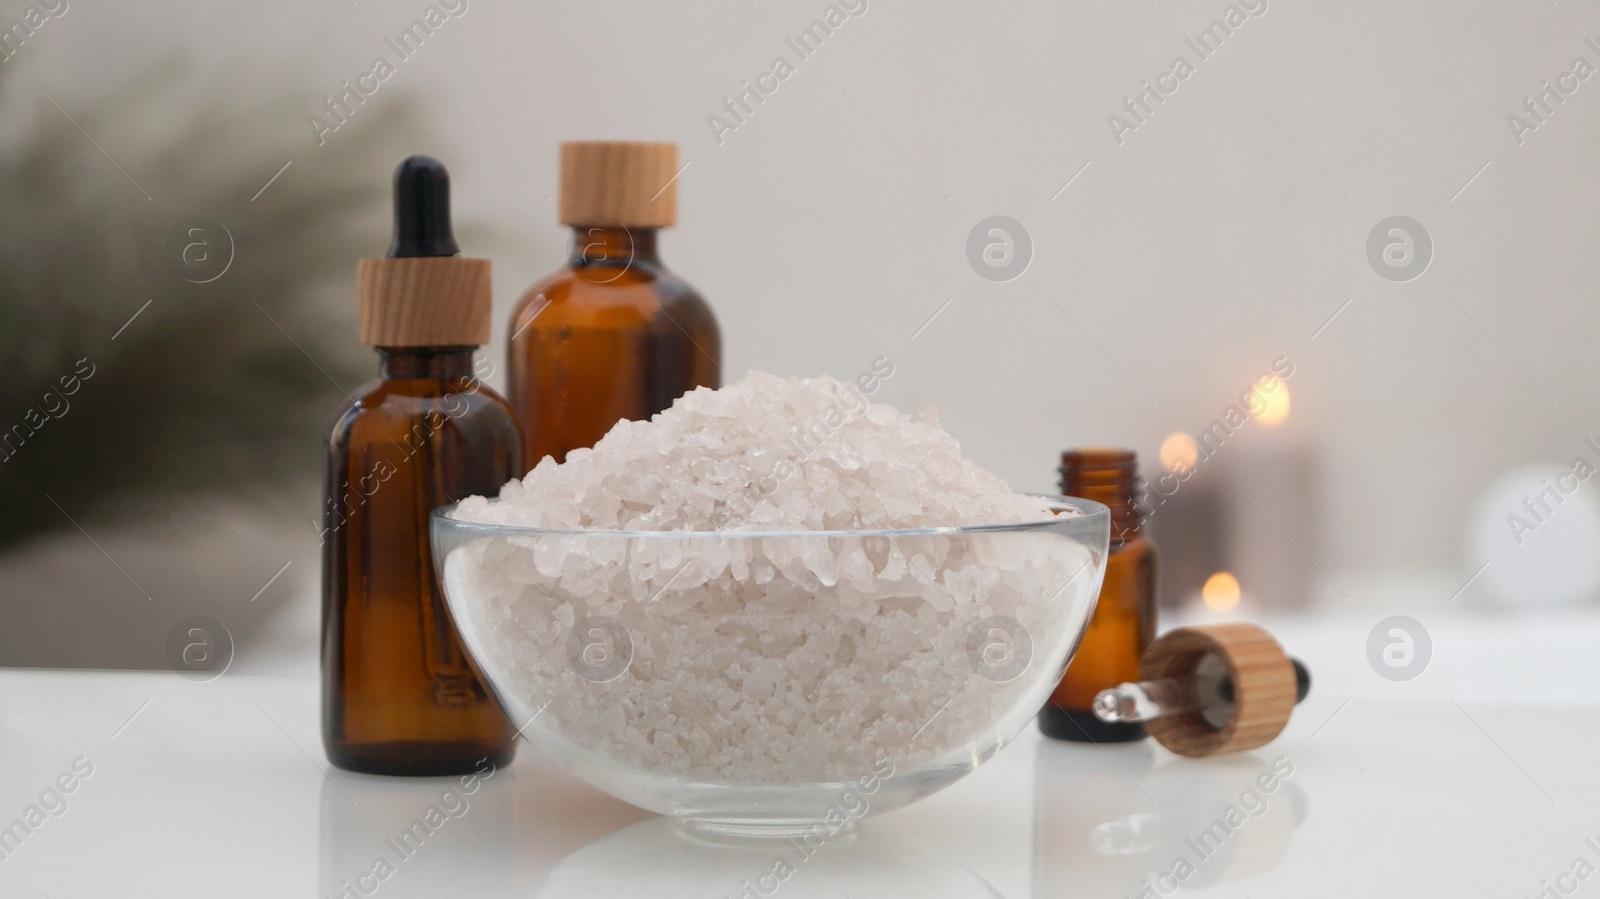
<point>223,386</point>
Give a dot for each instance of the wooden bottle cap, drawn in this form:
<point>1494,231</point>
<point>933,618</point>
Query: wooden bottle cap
<point>619,183</point>
<point>1264,687</point>
<point>423,301</point>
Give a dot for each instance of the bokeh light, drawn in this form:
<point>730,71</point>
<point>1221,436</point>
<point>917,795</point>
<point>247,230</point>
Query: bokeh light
<point>1274,403</point>
<point>1221,592</point>
<point>1179,452</point>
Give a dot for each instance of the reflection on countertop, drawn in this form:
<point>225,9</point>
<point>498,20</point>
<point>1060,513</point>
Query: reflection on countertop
<point>492,834</point>
<point>1115,821</point>
<point>417,836</point>
<point>654,859</point>
<point>536,831</point>
<point>1131,820</point>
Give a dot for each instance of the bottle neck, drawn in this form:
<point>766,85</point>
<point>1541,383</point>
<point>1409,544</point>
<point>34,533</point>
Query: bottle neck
<point>612,245</point>
<point>1108,476</point>
<point>438,363</point>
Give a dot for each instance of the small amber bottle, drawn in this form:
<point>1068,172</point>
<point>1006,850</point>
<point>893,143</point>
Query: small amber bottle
<point>1124,619</point>
<point>614,334</point>
<point>399,696</point>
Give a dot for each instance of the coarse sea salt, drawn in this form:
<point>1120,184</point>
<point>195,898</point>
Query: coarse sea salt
<point>767,658</point>
<point>766,454</point>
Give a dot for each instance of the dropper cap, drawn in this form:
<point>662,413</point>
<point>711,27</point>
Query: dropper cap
<point>1207,693</point>
<point>1265,686</point>
<point>423,293</point>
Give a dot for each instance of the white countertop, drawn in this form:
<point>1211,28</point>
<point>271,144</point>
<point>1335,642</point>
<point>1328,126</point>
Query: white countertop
<point>220,788</point>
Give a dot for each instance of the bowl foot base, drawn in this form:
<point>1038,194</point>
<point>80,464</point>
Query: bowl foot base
<point>804,833</point>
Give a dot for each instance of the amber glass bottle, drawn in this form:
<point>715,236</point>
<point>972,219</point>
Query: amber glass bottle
<point>1124,619</point>
<point>614,334</point>
<point>399,695</point>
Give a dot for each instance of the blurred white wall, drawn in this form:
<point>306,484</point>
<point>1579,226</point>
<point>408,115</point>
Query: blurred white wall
<point>1224,232</point>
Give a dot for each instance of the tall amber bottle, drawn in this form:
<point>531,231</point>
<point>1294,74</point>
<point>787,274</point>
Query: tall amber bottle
<point>1124,619</point>
<point>614,334</point>
<point>399,696</point>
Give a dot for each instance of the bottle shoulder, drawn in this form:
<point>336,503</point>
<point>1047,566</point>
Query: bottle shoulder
<point>601,296</point>
<point>678,294</point>
<point>384,406</point>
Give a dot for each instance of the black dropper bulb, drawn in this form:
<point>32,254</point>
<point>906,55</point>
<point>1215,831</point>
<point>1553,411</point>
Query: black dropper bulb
<point>1302,680</point>
<point>422,210</point>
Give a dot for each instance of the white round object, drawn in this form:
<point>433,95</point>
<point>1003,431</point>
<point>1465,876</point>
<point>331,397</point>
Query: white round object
<point>1538,528</point>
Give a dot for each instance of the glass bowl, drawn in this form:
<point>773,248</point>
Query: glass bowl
<point>761,683</point>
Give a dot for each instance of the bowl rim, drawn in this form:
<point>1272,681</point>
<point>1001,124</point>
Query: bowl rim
<point>1089,520</point>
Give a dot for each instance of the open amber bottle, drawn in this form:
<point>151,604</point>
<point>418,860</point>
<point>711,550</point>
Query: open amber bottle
<point>1124,620</point>
<point>614,334</point>
<point>399,694</point>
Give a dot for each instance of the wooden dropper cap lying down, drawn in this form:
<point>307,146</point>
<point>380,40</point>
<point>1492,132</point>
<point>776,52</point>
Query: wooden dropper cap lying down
<point>1210,690</point>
